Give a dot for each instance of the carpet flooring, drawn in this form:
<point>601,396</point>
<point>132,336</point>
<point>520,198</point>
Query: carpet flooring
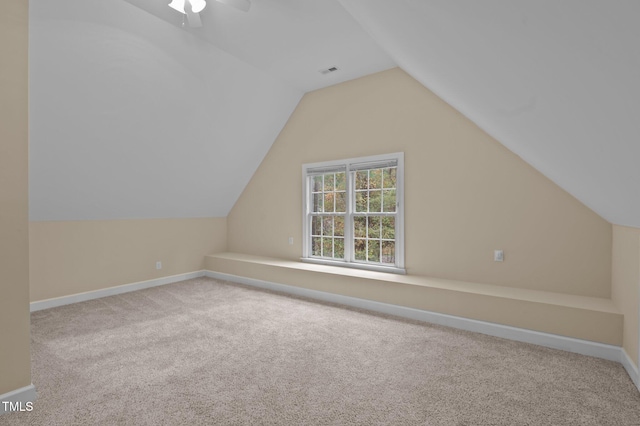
<point>207,352</point>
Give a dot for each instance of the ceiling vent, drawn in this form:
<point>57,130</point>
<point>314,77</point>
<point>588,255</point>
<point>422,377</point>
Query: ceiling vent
<point>329,70</point>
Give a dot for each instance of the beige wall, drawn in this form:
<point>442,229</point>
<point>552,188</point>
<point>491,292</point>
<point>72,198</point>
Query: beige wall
<point>466,194</point>
<point>626,283</point>
<point>15,366</point>
<point>79,256</point>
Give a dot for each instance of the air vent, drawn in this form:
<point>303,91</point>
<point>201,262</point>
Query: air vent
<point>329,70</point>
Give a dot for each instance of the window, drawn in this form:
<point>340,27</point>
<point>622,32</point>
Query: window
<point>353,212</point>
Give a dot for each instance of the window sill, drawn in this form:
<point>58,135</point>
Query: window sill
<point>361,266</point>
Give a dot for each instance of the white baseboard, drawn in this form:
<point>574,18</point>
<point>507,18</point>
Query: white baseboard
<point>631,368</point>
<point>111,291</point>
<point>584,347</point>
<point>20,397</point>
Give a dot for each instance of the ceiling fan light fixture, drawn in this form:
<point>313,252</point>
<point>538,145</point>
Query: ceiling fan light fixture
<point>197,6</point>
<point>177,5</point>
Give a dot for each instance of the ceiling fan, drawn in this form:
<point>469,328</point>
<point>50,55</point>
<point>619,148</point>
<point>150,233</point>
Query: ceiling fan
<point>192,8</point>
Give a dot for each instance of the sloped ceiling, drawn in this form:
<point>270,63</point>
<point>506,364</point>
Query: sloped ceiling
<point>132,115</point>
<point>292,40</point>
<point>557,82</point>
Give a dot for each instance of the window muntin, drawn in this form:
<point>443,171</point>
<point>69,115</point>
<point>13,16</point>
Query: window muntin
<point>353,214</point>
<point>374,218</point>
<point>328,211</point>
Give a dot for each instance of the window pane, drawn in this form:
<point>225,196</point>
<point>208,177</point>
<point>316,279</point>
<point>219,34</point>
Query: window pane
<point>316,225</point>
<point>338,227</point>
<point>327,247</point>
<point>360,247</point>
<point>375,178</point>
<point>328,202</point>
<point>373,228</point>
<point>341,204</point>
<point>359,227</point>
<point>374,251</point>
<point>328,182</point>
<point>339,248</point>
<point>316,246</point>
<point>361,201</point>
<point>389,228</point>
<point>317,202</point>
<point>388,252</point>
<point>341,181</point>
<point>389,177</point>
<point>362,180</point>
<point>389,200</point>
<point>375,201</point>
<point>362,204</point>
<point>327,225</point>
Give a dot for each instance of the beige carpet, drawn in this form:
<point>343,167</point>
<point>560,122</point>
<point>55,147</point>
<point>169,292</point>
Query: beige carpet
<point>207,352</point>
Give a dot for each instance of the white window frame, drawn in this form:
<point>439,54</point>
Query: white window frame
<point>350,165</point>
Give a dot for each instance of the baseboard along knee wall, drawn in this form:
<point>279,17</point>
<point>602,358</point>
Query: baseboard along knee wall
<point>584,347</point>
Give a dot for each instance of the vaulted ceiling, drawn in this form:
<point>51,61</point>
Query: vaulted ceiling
<point>556,82</point>
<point>132,115</point>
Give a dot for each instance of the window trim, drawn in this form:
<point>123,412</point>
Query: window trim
<point>350,165</point>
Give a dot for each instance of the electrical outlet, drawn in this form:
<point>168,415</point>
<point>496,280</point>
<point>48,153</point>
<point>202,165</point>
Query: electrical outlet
<point>158,265</point>
<point>498,255</point>
<point>290,241</point>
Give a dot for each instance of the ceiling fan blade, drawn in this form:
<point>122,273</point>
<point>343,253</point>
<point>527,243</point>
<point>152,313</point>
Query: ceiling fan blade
<point>192,17</point>
<point>242,5</point>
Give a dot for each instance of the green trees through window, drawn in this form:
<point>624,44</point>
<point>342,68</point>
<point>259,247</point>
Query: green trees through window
<point>353,213</point>
<point>329,210</point>
<point>374,217</point>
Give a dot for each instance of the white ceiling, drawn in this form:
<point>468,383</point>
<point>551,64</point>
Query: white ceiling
<point>134,116</point>
<point>291,40</point>
<point>557,82</point>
